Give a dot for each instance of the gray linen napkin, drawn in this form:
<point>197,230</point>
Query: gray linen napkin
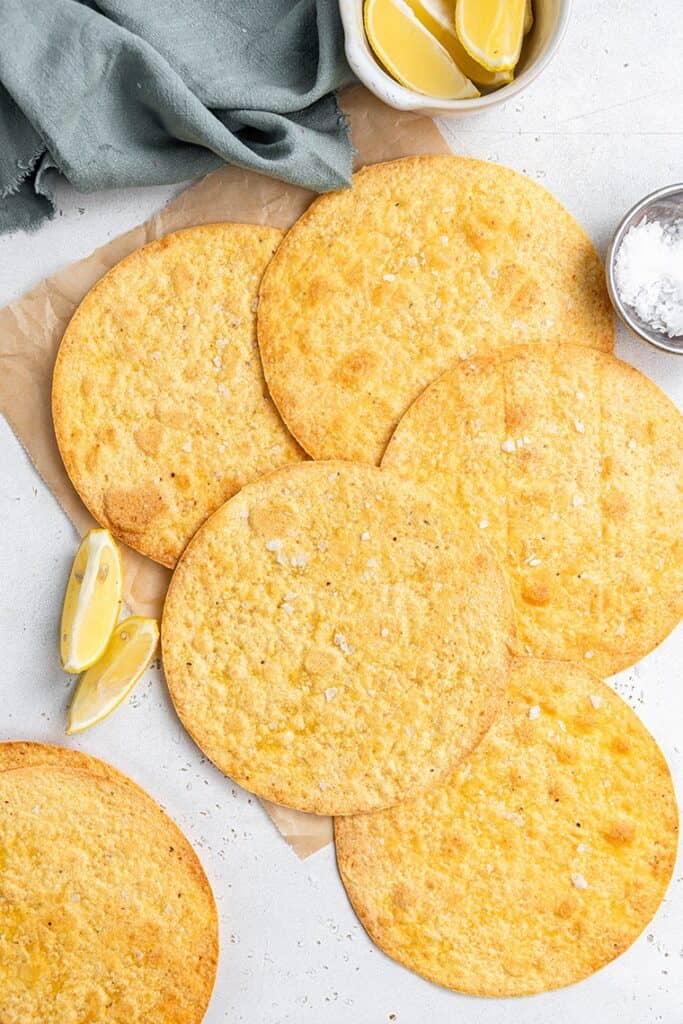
<point>114,93</point>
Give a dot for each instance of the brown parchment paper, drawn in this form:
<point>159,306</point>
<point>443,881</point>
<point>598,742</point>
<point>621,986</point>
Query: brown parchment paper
<point>31,329</point>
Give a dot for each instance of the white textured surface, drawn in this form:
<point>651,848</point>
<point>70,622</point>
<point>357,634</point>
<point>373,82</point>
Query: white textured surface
<point>600,128</point>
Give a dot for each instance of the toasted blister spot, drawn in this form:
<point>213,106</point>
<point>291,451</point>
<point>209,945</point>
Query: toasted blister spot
<point>616,505</point>
<point>320,661</point>
<point>447,883</point>
<point>565,908</point>
<point>620,745</point>
<point>91,458</point>
<point>272,521</point>
<point>172,415</point>
<point>318,290</point>
<point>356,367</point>
<point>148,439</point>
<point>183,482</point>
<point>620,832</point>
<point>131,511</point>
<point>537,592</point>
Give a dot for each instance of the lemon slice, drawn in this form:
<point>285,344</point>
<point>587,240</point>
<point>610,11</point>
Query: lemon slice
<point>411,54</point>
<point>107,683</point>
<point>491,31</point>
<point>437,17</point>
<point>92,601</point>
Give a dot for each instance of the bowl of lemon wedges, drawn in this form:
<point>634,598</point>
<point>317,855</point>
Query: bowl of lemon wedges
<point>450,56</point>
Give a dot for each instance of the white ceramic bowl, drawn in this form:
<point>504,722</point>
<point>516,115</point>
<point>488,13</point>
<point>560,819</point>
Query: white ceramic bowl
<point>550,22</point>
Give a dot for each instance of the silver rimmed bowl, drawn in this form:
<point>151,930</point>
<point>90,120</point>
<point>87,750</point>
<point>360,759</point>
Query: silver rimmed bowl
<point>666,206</point>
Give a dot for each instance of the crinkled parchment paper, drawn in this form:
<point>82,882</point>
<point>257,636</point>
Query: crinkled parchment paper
<point>32,327</point>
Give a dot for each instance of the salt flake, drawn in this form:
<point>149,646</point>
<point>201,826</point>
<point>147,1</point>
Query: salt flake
<point>342,643</point>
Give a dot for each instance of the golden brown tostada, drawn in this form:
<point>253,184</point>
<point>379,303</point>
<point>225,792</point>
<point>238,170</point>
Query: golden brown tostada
<point>571,464</point>
<point>107,914</point>
<point>160,408</point>
<point>25,754</point>
<point>333,640</point>
<point>541,858</point>
<point>376,290</point>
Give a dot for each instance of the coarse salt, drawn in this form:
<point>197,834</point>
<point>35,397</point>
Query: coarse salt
<point>649,274</point>
<point>342,643</point>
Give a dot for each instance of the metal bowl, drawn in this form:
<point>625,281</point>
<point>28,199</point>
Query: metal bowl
<point>665,205</point>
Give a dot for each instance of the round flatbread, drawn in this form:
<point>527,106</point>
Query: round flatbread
<point>538,861</point>
<point>376,290</point>
<point>160,408</point>
<point>333,641</point>
<point>107,914</point>
<point>571,464</point>
<point>24,754</point>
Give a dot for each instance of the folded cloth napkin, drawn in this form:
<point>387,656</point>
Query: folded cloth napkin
<point>113,93</point>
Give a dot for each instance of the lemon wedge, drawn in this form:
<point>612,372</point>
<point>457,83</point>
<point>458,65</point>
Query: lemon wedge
<point>411,54</point>
<point>437,17</point>
<point>491,31</point>
<point>107,683</point>
<point>92,601</point>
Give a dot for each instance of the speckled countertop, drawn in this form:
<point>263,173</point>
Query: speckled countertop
<point>600,128</point>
